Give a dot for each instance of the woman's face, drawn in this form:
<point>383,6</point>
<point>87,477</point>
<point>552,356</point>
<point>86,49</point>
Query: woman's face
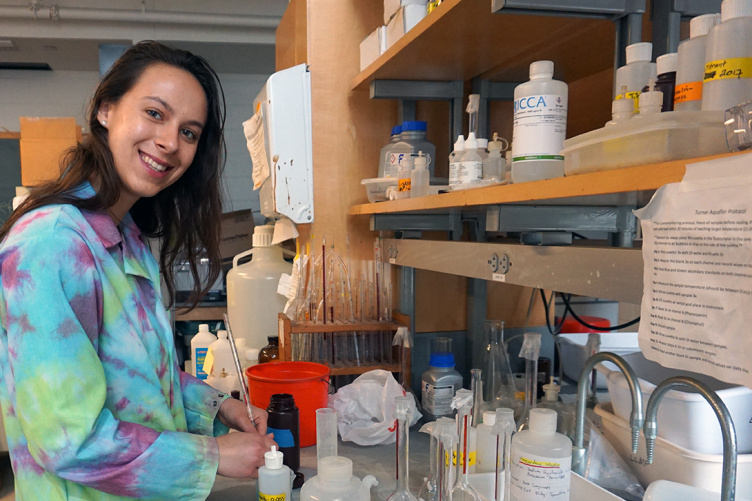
<point>153,131</point>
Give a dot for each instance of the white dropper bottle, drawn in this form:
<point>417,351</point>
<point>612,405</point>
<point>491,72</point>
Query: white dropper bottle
<point>621,109</point>
<point>455,161</point>
<point>650,101</point>
<point>419,177</point>
<point>274,478</point>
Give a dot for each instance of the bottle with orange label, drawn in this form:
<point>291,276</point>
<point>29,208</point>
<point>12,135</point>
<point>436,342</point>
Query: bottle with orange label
<point>728,58</point>
<point>690,63</point>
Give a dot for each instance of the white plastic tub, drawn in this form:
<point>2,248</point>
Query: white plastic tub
<point>574,356</point>
<point>671,462</point>
<point>376,187</point>
<point>648,139</point>
<point>685,418</point>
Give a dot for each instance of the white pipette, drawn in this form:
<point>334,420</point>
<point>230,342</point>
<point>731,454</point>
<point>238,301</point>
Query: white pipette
<point>238,368</point>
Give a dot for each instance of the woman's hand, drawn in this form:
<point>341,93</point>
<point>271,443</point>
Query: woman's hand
<point>233,414</point>
<point>242,454</point>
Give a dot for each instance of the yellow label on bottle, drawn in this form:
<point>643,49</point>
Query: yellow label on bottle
<point>271,497</point>
<point>732,67</point>
<point>686,92</point>
<point>470,458</point>
<point>634,96</point>
<point>403,184</point>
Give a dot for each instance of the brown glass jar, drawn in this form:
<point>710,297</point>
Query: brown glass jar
<point>270,351</point>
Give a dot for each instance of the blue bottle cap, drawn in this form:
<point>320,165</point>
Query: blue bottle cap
<point>414,125</point>
<point>397,129</point>
<point>442,359</point>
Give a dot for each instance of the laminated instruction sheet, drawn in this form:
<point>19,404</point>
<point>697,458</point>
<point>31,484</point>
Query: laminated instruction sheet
<point>697,250</point>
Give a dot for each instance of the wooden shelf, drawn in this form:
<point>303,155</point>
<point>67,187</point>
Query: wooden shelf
<point>201,313</point>
<point>348,371</point>
<point>463,39</point>
<point>616,181</point>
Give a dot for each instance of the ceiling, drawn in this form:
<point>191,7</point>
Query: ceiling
<point>235,36</point>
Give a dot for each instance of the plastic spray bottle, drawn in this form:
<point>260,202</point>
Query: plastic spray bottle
<point>274,478</point>
<point>541,460</point>
<point>419,177</point>
<point>540,125</point>
<point>199,345</point>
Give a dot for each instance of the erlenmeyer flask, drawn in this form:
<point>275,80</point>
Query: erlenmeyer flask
<point>499,387</point>
<point>402,413</point>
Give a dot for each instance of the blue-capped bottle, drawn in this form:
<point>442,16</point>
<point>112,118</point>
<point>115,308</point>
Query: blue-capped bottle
<point>412,141</point>
<point>440,382</point>
<point>389,164</point>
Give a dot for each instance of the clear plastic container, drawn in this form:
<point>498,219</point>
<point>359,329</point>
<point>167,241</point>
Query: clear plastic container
<point>637,72</point>
<point>335,482</point>
<point>656,138</point>
<point>486,449</point>
<point>253,303</point>
<point>540,125</point>
<point>413,140</point>
<point>728,58</point>
<point>690,63</point>
<point>440,382</point>
<point>388,165</point>
<point>419,177</point>
<point>376,187</point>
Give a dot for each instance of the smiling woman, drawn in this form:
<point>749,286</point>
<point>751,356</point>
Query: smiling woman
<point>94,403</point>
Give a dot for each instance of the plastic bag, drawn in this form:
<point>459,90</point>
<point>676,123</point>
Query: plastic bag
<point>365,409</point>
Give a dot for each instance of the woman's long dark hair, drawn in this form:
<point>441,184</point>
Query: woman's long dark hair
<point>185,216</point>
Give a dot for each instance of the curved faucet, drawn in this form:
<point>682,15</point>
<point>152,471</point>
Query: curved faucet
<point>578,448</point>
<point>728,486</point>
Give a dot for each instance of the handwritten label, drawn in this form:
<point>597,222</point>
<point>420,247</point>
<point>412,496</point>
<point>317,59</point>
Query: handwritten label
<point>732,67</point>
<point>686,92</point>
<point>540,478</point>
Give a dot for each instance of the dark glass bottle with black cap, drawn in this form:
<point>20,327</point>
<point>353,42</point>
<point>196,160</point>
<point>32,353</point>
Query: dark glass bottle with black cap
<point>284,422</point>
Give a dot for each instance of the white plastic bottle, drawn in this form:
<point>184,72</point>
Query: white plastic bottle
<point>419,177</point>
<point>541,460</point>
<point>404,177</point>
<point>471,170</point>
<point>486,456</point>
<point>483,148</point>
<point>223,375</point>
<point>690,63</point>
<point>540,125</point>
<point>621,110</point>
<point>274,478</point>
<point>199,345</point>
<point>728,58</point>
<point>253,304</point>
<point>335,482</point>
<point>440,382</point>
<point>637,72</point>
<point>650,101</point>
<point>388,160</point>
<point>493,166</point>
<point>455,161</point>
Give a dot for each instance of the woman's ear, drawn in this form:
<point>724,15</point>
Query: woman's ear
<point>103,113</point>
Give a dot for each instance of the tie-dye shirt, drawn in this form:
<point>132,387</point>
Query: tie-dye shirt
<point>94,403</point>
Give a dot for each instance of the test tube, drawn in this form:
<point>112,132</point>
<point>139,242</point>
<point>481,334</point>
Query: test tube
<point>326,433</point>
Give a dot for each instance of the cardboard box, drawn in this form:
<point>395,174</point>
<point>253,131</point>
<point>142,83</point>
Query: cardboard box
<point>372,47</point>
<point>404,20</point>
<point>43,141</point>
<point>236,234</point>
<point>390,9</point>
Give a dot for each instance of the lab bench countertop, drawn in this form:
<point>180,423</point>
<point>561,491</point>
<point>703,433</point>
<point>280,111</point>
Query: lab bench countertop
<point>377,460</point>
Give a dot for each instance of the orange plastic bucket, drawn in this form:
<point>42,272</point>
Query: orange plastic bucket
<point>307,382</point>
